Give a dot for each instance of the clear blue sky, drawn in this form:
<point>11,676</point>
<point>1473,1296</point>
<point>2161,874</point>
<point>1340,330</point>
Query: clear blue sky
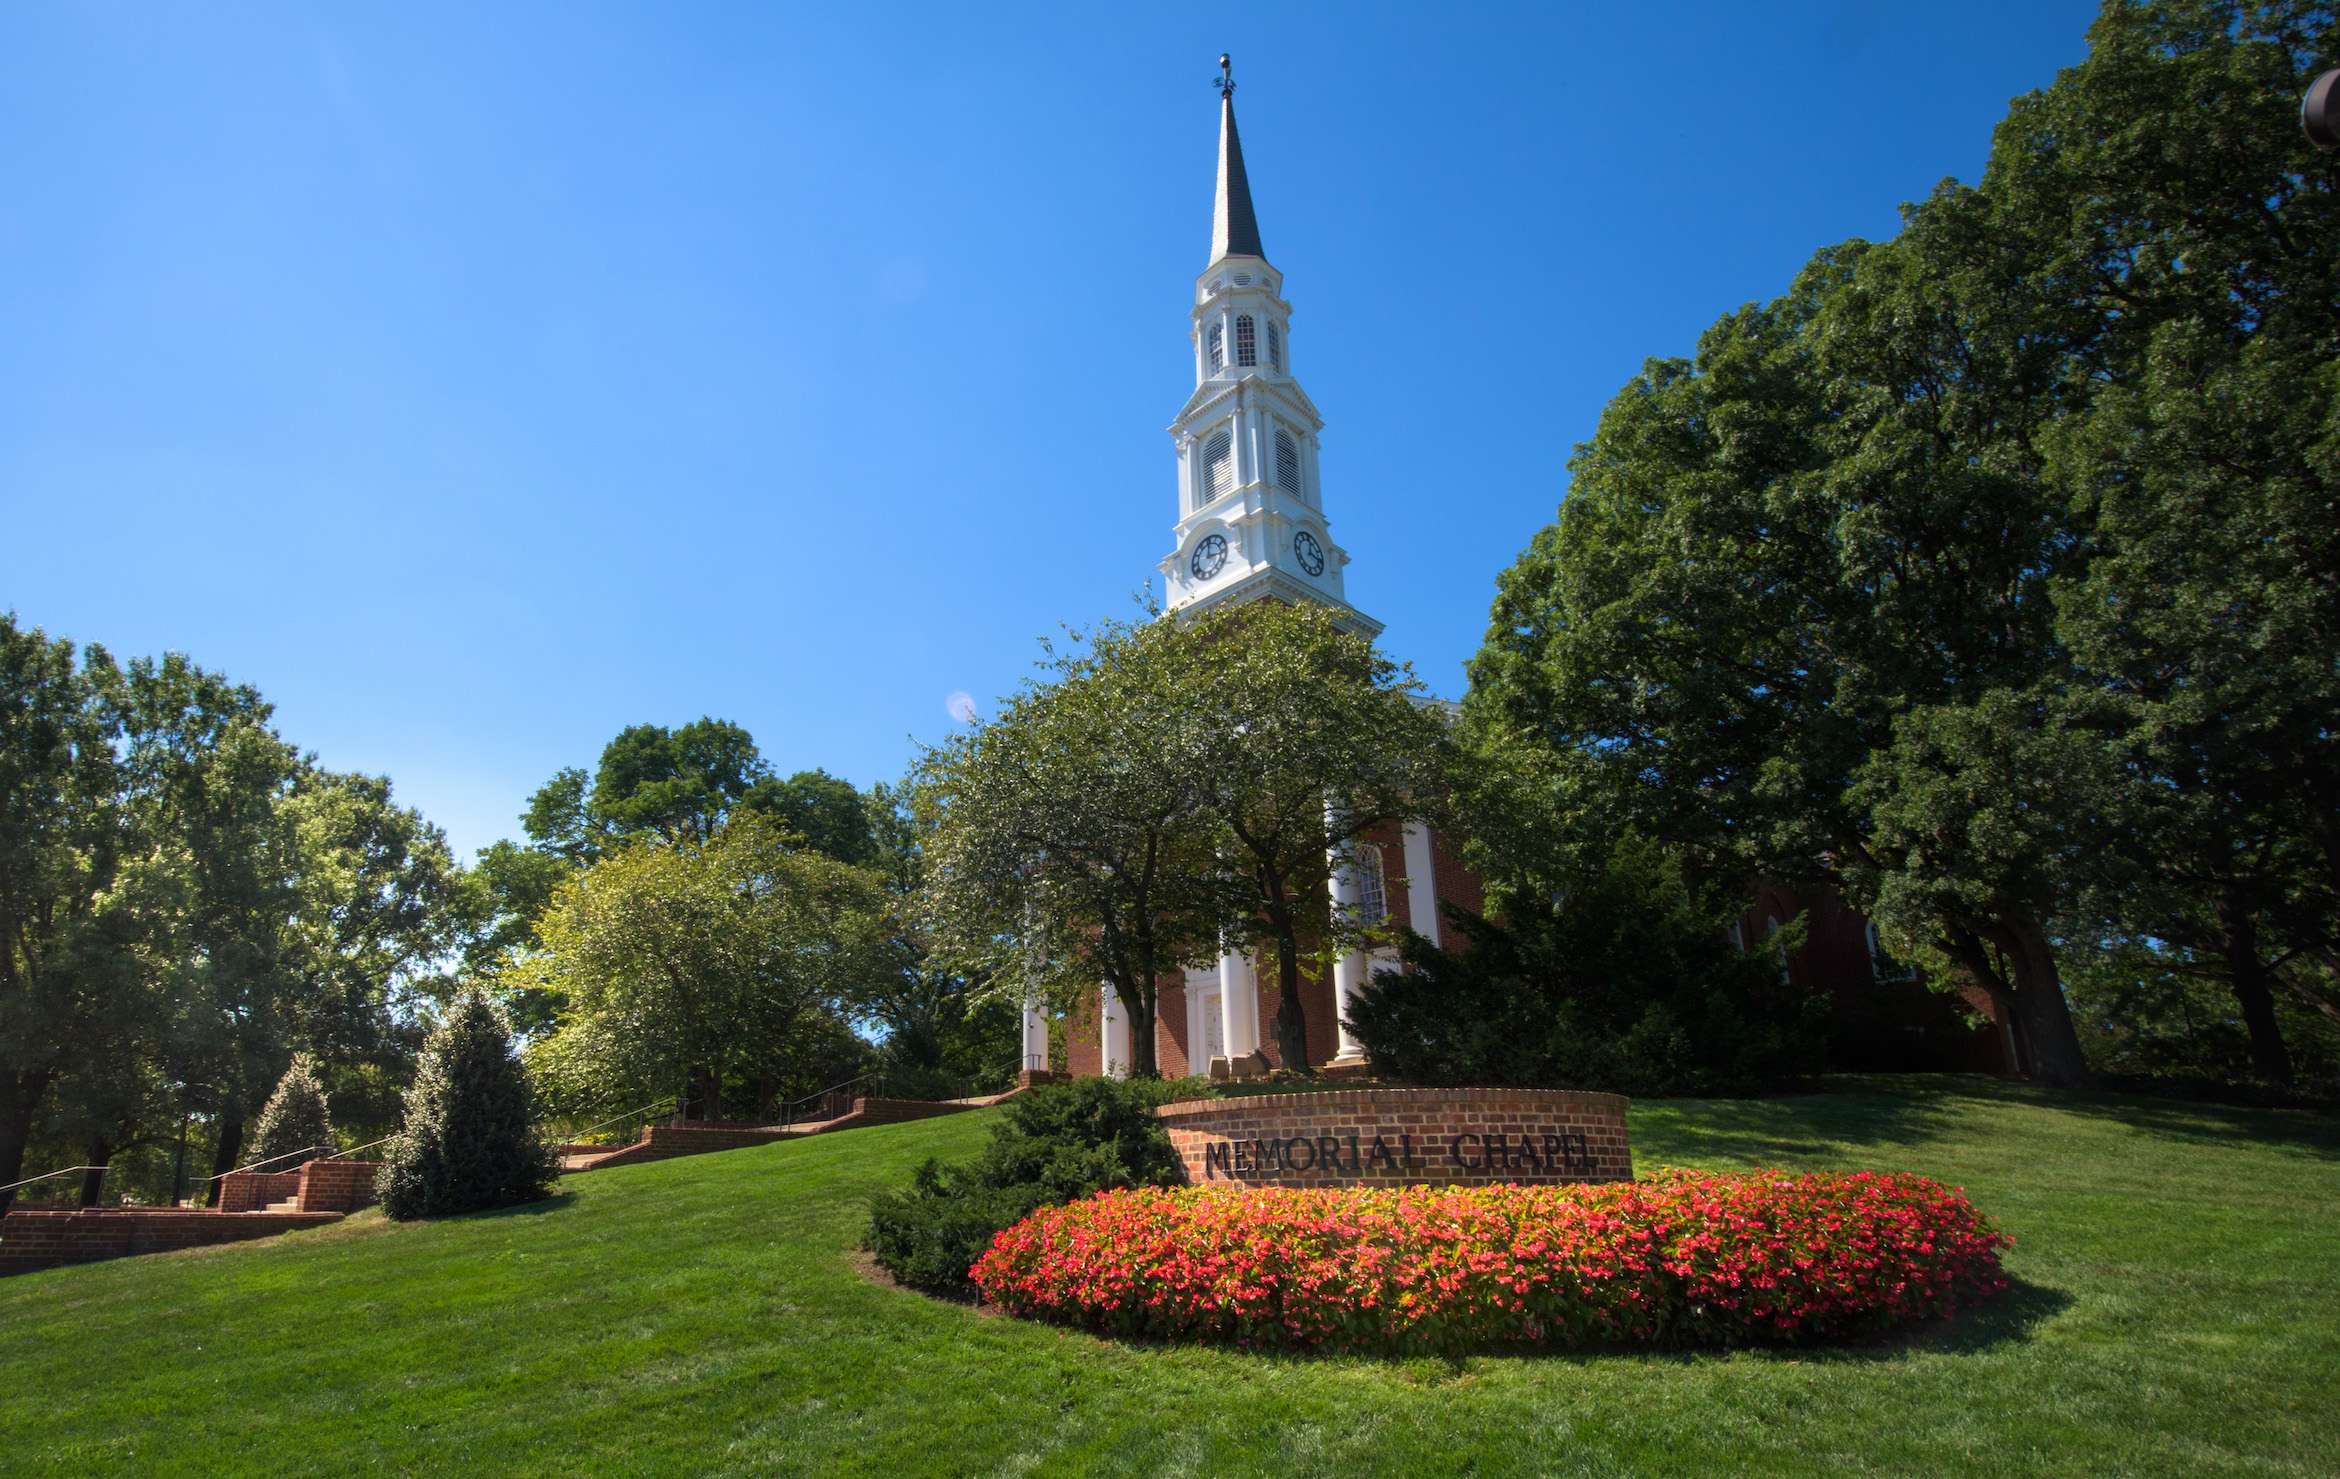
<point>477,380</point>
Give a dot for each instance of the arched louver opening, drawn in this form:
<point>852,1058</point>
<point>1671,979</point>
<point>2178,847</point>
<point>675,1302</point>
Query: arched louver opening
<point>1275,348</point>
<point>1246,343</point>
<point>1218,465</point>
<point>1215,349</point>
<point>1287,461</point>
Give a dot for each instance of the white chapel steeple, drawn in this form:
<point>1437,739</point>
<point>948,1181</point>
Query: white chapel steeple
<point>1251,518</point>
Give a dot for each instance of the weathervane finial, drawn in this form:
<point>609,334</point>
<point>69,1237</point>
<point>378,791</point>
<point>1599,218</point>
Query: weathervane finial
<point>1226,79</point>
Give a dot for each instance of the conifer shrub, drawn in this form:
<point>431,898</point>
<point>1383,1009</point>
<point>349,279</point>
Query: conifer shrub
<point>1053,1144</point>
<point>295,1119</point>
<point>470,1140</point>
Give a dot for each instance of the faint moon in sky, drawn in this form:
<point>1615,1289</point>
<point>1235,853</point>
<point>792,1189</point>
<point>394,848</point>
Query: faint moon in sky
<point>960,706</point>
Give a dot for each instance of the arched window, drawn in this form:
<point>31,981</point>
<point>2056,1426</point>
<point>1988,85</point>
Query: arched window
<point>1372,888</point>
<point>1246,342</point>
<point>1881,962</point>
<point>1218,465</point>
<point>1287,461</point>
<point>1215,349</point>
<point>1275,347</point>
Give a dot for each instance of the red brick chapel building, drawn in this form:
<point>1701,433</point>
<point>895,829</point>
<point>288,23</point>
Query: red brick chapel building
<point>1252,526</point>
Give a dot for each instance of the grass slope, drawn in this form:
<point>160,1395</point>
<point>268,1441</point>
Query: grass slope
<point>2175,1312</point>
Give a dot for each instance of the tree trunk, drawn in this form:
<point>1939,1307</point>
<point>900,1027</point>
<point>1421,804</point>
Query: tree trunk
<point>1974,957</point>
<point>179,1164</point>
<point>2247,975</point>
<point>20,1097</point>
<point>93,1183</point>
<point>1143,1062</point>
<point>2044,1017</point>
<point>223,1156</point>
<point>1291,1016</point>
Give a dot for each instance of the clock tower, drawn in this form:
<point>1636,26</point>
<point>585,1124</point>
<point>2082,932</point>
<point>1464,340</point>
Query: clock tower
<point>1251,521</point>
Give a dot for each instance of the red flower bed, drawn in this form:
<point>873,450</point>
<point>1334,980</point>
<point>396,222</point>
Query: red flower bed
<point>1684,1258</point>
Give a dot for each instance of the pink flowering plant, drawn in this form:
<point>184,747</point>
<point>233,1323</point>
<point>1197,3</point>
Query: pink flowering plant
<point>1683,1258</point>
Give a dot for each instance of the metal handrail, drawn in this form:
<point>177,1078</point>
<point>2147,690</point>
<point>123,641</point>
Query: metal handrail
<point>873,1080</point>
<point>272,1160</point>
<point>45,1175</point>
<point>616,1118</point>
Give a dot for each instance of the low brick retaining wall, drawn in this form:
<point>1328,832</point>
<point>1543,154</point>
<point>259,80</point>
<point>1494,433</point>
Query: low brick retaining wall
<point>667,1142</point>
<point>43,1239</point>
<point>250,1191</point>
<point>700,1137</point>
<point>1402,1137</point>
<point>897,1111</point>
<point>337,1186</point>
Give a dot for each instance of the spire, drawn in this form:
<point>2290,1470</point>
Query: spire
<point>1234,228</point>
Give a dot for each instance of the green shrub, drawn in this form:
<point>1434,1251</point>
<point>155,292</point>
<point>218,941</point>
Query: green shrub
<point>1054,1144</point>
<point>470,1140</point>
<point>295,1119</point>
<point>1624,981</point>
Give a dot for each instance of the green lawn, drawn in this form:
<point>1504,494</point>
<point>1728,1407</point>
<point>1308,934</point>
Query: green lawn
<point>2176,1310</point>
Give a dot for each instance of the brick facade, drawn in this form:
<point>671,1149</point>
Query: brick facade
<point>1402,1137</point>
<point>1880,1020</point>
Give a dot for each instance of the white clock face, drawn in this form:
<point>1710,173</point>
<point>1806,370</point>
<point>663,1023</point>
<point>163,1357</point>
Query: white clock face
<point>1210,556</point>
<point>1309,552</point>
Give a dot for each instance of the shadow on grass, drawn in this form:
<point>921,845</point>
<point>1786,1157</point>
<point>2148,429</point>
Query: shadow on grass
<point>2195,1123</point>
<point>2013,1316</point>
<point>558,1201</point>
<point>1854,1112</point>
<point>1793,1127</point>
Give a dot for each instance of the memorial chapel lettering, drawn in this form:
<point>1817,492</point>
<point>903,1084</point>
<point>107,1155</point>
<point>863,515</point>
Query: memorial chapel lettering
<point>1542,1152</point>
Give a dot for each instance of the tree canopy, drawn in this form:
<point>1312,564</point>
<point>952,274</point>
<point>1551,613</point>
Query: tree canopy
<point>1987,554</point>
<point>1167,790</point>
<point>185,902</point>
<point>689,967</point>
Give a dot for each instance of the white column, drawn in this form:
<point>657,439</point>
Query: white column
<point>1113,1035</point>
<point>1349,970</point>
<point>1421,883</point>
<point>1035,1038</point>
<point>1238,1005</point>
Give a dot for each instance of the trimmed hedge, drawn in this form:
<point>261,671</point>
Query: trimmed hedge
<point>1684,1258</point>
<point>1052,1145</point>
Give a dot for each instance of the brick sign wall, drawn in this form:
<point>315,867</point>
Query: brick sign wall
<point>1402,1137</point>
